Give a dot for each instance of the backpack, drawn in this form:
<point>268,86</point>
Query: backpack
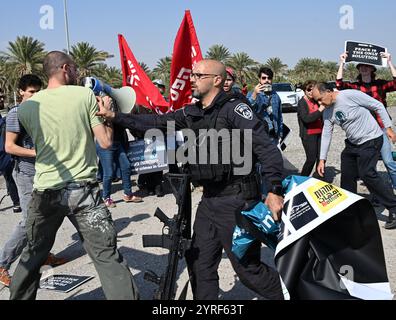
<point>6,160</point>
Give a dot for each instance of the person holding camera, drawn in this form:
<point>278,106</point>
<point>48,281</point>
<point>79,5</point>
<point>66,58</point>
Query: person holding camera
<point>267,104</point>
<point>62,122</point>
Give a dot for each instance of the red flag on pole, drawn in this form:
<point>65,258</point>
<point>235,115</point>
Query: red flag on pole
<point>147,94</point>
<point>186,53</point>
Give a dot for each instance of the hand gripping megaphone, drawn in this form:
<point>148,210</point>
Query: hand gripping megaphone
<point>125,97</point>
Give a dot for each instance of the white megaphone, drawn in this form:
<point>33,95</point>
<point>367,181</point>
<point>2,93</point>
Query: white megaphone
<point>125,97</point>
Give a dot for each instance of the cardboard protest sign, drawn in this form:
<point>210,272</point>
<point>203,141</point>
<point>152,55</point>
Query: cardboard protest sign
<point>366,53</point>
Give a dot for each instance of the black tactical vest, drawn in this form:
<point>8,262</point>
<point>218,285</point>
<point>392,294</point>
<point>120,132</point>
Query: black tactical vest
<point>210,172</point>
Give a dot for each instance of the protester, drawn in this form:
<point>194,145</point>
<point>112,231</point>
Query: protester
<point>267,103</point>
<point>110,159</point>
<point>376,88</point>
<point>309,115</point>
<point>65,183</point>
<point>230,85</point>
<point>350,110</point>
<point>225,192</point>
<point>20,145</point>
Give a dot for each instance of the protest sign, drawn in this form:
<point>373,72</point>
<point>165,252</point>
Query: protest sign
<point>366,53</point>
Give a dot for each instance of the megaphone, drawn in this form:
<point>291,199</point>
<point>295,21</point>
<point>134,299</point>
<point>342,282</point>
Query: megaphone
<point>125,97</point>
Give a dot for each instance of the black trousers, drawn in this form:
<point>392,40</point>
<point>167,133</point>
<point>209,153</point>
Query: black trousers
<point>361,161</point>
<point>213,230</point>
<point>311,144</point>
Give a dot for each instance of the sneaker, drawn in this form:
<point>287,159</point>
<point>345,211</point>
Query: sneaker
<point>5,278</point>
<point>110,203</point>
<point>17,209</point>
<point>391,223</point>
<point>132,198</point>
<point>54,261</point>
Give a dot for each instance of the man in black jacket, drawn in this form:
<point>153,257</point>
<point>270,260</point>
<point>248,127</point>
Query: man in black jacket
<point>226,191</point>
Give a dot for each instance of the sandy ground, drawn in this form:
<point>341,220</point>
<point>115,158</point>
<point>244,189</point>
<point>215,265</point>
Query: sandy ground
<point>134,220</point>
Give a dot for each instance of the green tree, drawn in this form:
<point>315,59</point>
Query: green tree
<point>162,70</point>
<point>306,69</point>
<point>110,75</point>
<point>243,66</point>
<point>87,57</point>
<point>25,55</point>
<point>350,71</point>
<point>218,52</point>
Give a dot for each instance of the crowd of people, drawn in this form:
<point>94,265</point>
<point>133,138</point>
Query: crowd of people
<point>55,170</point>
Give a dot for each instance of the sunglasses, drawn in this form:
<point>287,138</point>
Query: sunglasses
<point>265,78</point>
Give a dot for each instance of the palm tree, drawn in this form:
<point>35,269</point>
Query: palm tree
<point>24,56</point>
<point>163,69</point>
<point>278,67</point>
<point>87,57</point>
<point>110,75</point>
<point>384,73</point>
<point>307,68</point>
<point>218,52</point>
<point>243,66</point>
<point>330,70</point>
<point>350,72</point>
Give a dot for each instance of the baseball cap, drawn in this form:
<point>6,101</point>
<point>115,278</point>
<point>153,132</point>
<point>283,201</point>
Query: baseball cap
<point>231,72</point>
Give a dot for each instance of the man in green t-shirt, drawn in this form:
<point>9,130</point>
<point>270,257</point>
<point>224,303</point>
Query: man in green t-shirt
<point>62,122</point>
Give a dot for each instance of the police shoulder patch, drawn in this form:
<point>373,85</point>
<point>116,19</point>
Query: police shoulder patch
<point>244,111</point>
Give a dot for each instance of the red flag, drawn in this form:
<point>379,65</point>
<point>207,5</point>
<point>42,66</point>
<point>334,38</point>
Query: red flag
<point>186,53</point>
<point>147,94</point>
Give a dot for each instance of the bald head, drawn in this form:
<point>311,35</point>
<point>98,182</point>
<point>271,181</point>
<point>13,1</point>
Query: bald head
<point>55,60</point>
<point>212,67</point>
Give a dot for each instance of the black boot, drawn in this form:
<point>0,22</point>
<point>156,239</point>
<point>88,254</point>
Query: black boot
<point>391,223</point>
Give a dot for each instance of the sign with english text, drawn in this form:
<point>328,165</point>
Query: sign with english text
<point>366,53</point>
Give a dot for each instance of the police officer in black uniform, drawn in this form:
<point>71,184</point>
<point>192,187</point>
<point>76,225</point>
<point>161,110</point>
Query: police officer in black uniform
<point>225,193</point>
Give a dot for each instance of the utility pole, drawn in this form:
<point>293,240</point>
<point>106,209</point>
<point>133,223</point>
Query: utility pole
<point>66,27</point>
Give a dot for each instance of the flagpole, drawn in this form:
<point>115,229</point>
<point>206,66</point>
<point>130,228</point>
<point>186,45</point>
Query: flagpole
<point>66,27</point>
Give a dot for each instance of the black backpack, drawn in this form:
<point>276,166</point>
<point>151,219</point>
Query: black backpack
<point>6,160</point>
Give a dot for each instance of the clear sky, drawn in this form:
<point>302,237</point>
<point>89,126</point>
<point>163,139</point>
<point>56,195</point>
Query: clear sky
<point>286,29</point>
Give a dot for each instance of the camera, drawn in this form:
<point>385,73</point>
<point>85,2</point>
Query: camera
<point>267,88</point>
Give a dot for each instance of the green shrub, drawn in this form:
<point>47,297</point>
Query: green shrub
<point>391,99</point>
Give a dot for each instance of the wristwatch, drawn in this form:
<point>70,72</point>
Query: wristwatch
<point>277,189</point>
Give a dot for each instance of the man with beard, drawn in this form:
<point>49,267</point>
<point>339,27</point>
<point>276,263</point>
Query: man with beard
<point>226,190</point>
<point>62,122</point>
